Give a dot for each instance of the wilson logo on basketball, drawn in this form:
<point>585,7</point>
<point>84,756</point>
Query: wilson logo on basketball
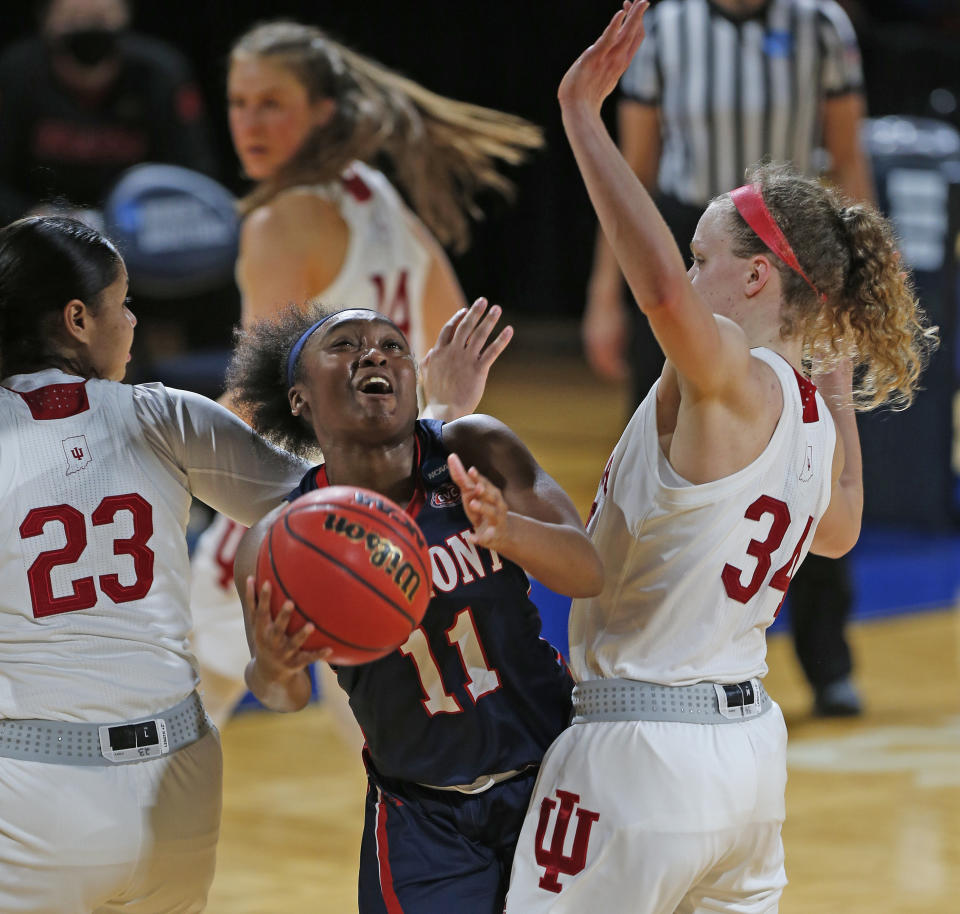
<point>394,513</point>
<point>354,564</point>
<point>383,554</point>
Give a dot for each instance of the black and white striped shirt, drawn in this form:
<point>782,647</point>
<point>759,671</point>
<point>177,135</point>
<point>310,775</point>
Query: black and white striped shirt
<point>733,91</point>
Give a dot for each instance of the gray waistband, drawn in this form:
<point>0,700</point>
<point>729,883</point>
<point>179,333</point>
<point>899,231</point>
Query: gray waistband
<point>702,703</point>
<point>62,743</point>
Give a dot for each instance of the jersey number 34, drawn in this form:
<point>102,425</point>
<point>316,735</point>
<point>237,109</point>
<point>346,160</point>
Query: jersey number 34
<point>762,552</point>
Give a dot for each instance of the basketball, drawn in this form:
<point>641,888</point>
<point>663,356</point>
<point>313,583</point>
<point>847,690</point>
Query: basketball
<point>355,564</point>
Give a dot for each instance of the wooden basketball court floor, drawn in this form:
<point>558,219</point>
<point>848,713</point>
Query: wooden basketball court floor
<point>873,803</point>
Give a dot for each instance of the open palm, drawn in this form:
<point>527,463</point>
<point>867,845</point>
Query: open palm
<point>595,73</point>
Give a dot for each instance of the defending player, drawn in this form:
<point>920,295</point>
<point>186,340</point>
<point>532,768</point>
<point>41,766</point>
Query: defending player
<point>667,792</point>
<point>456,719</point>
<point>306,114</point>
<point>110,771</point>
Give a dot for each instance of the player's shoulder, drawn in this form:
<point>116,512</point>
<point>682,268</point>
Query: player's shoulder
<point>485,442</point>
<point>295,213</point>
<point>475,429</point>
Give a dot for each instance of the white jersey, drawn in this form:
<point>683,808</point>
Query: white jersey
<point>96,480</point>
<point>695,574</point>
<point>385,270</point>
<point>386,265</point>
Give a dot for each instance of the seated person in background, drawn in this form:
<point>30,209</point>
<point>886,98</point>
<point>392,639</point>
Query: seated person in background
<point>84,100</point>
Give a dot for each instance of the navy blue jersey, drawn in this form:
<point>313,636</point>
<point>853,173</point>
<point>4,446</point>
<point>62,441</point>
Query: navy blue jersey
<point>474,690</point>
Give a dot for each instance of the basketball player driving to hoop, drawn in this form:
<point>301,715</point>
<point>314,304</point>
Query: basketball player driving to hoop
<point>457,719</point>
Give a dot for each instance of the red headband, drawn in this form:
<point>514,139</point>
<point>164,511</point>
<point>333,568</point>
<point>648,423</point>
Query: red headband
<point>749,203</point>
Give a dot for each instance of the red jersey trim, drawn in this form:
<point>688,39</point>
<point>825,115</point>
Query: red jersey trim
<point>387,891</point>
<point>808,397</point>
<point>56,401</point>
<point>356,187</point>
<point>417,500</point>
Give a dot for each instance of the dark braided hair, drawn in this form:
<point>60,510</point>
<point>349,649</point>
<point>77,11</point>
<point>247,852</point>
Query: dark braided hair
<point>45,262</point>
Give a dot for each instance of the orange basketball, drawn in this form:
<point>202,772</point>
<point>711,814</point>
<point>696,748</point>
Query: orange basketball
<point>354,564</point>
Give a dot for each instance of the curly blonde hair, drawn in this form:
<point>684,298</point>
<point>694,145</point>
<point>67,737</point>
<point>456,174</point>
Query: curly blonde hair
<point>444,152</point>
<point>870,313</point>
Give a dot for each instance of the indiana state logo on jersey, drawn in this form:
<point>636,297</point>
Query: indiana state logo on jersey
<point>806,465</point>
<point>77,452</point>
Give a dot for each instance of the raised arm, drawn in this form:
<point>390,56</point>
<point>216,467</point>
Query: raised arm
<point>517,509</point>
<point>685,328</point>
<point>605,328</point>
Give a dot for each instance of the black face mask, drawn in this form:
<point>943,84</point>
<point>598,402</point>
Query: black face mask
<point>89,46</point>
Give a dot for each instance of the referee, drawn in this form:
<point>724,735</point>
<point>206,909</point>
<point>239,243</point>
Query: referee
<point>716,86</point>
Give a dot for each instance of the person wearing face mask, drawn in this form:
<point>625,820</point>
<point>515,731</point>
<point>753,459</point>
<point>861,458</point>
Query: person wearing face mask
<point>85,99</point>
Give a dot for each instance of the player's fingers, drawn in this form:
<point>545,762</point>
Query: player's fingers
<point>324,653</point>
<point>448,329</point>
<point>469,322</point>
<point>282,618</point>
<point>631,33</point>
<point>298,638</point>
<point>489,355</point>
<point>483,328</point>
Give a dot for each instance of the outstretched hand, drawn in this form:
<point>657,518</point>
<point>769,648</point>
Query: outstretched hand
<point>483,503</point>
<point>454,372</point>
<point>595,73</point>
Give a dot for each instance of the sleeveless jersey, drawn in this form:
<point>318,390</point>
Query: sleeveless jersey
<point>95,482</point>
<point>386,265</point>
<point>696,573</point>
<point>474,690</point>
<point>385,270</point>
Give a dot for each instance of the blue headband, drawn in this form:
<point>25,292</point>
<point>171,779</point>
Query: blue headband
<point>298,348</point>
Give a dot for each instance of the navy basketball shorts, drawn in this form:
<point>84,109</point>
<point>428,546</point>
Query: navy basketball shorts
<point>427,851</point>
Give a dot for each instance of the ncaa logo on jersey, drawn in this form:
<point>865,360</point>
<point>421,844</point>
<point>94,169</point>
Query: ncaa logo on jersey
<point>806,467</point>
<point>77,453</point>
<point>446,496</point>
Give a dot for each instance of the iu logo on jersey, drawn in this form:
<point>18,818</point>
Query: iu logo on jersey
<point>77,453</point>
<point>806,468</point>
<point>552,858</point>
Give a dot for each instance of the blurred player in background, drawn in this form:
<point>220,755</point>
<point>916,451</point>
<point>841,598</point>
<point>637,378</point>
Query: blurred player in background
<point>86,99</point>
<point>306,116</point>
<point>666,793</point>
